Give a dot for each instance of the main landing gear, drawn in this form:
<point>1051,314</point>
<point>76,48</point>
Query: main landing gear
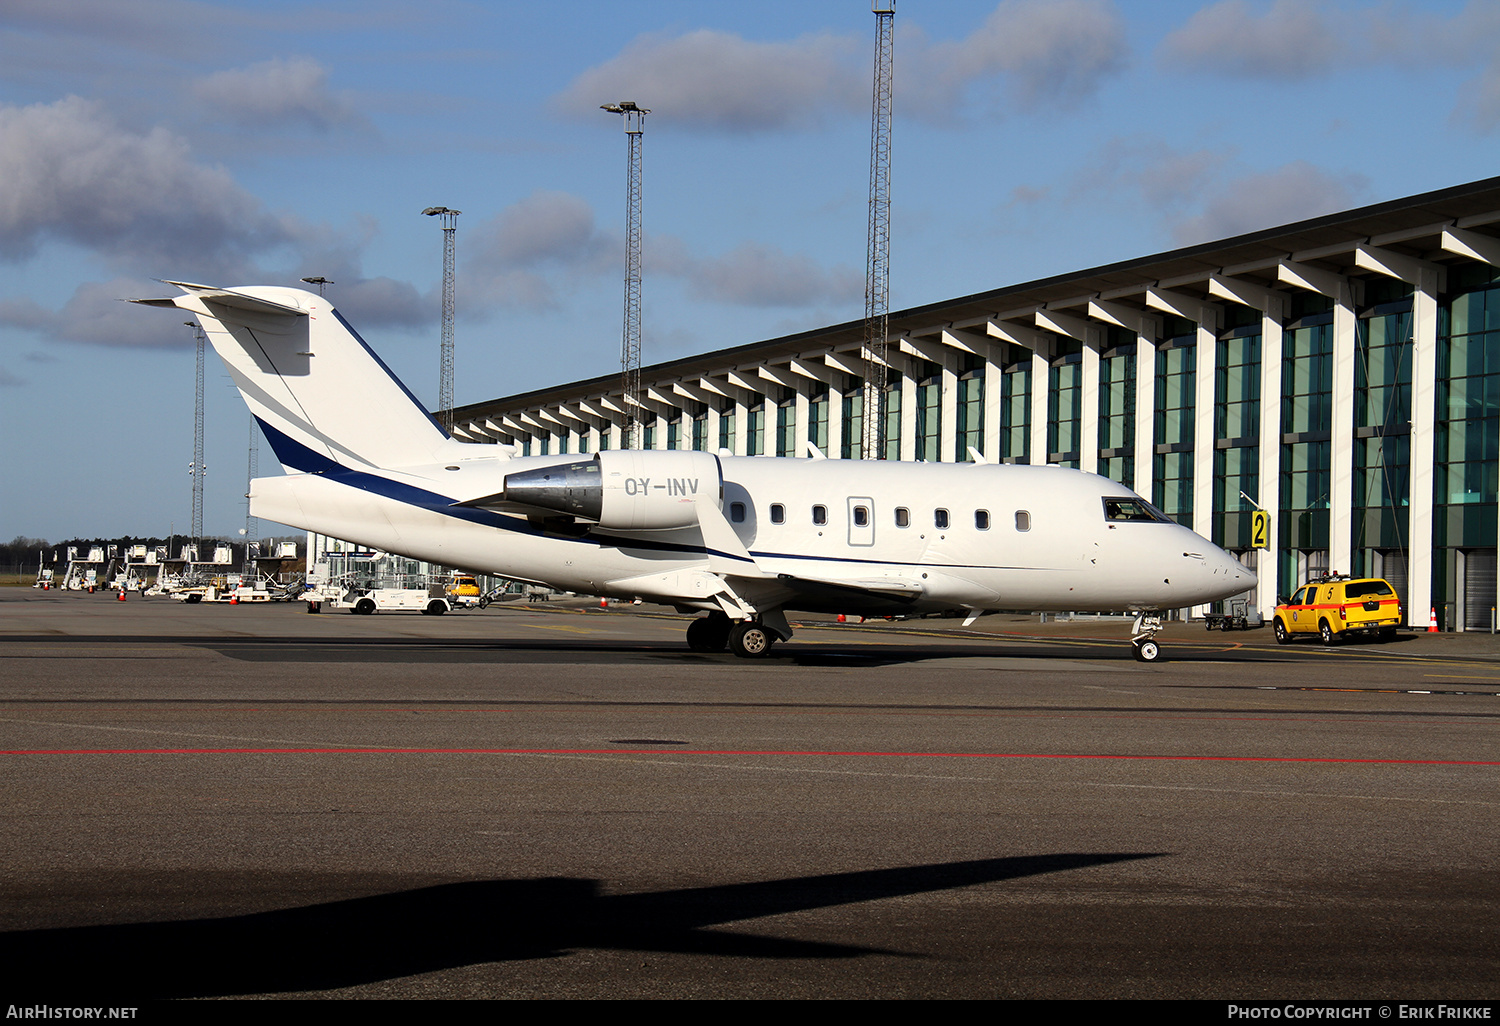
<point>709,633</point>
<point>748,639</point>
<point>1143,637</point>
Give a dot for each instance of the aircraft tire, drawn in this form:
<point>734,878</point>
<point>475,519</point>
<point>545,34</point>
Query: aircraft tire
<point>706,635</point>
<point>749,640</point>
<point>1279,629</point>
<point>1148,651</point>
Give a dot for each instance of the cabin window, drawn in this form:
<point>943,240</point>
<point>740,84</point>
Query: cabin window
<point>903,516</point>
<point>820,515</point>
<point>861,516</point>
<point>940,519</point>
<point>981,520</point>
<point>778,513</point>
<point>737,512</point>
<point>1023,520</point>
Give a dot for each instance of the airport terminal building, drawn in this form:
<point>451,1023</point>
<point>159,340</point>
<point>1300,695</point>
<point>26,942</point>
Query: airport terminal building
<point>1342,373</point>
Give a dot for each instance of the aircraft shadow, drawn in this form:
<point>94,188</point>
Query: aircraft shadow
<point>366,940</point>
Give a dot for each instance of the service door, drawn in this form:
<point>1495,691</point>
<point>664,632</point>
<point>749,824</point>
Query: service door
<point>861,521</point>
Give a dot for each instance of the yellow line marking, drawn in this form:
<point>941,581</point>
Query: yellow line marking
<point>559,627</point>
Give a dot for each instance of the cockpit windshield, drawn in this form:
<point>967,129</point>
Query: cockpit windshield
<point>1117,510</point>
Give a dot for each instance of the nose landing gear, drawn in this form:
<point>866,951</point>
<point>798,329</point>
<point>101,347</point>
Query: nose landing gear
<point>1143,637</point>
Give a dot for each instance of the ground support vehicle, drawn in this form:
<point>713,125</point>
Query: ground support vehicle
<point>1335,608</point>
<point>1236,617</point>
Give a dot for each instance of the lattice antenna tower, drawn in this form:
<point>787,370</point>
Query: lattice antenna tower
<point>252,471</point>
<point>630,339</point>
<point>196,469</point>
<point>445,350</point>
<point>878,243</point>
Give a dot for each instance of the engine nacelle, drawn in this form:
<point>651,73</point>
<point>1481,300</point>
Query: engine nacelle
<point>624,489</point>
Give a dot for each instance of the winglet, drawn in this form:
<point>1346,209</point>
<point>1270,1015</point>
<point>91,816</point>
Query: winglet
<point>814,453</point>
<point>977,456</point>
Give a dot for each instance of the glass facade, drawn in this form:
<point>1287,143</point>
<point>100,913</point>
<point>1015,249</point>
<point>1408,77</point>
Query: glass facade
<point>1065,407</point>
<point>1236,434</point>
<point>755,435</point>
<point>1382,430</point>
<point>854,423</point>
<point>817,420</point>
<point>1306,430</point>
<point>970,414</point>
<point>1172,485</point>
<point>1015,410</point>
<point>929,413</point>
<point>786,428</point>
<point>1117,409</point>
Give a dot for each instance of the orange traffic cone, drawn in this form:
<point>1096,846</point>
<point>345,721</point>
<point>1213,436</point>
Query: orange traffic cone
<point>1432,621</point>
<point>122,594</point>
<point>603,603</point>
<point>843,618</point>
<point>234,598</point>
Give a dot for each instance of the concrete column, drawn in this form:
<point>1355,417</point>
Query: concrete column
<point>948,450</point>
<point>1423,440</point>
<point>1041,388</point>
<point>1145,414</point>
<point>1269,469</point>
<point>1205,375</point>
<point>800,435</point>
<point>992,390</point>
<point>908,417</point>
<point>1341,444</point>
<point>1088,421</point>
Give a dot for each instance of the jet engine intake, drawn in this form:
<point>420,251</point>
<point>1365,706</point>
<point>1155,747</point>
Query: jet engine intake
<point>624,489</point>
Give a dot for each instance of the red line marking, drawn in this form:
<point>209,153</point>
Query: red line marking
<point>679,751</point>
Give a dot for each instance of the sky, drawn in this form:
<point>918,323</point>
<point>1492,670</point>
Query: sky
<point>248,143</point>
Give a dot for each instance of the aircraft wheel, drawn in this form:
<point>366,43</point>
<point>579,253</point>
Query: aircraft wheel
<point>1325,631</point>
<point>750,640</point>
<point>364,607</point>
<point>1148,651</point>
<point>705,635</point>
<point>1279,629</point>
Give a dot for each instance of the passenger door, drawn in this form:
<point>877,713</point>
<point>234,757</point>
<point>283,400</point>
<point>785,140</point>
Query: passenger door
<point>861,521</point>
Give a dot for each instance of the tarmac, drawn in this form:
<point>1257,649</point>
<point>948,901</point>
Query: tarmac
<point>560,801</point>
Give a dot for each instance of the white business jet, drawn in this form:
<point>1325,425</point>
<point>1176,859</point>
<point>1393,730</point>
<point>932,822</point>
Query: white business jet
<point>744,539</point>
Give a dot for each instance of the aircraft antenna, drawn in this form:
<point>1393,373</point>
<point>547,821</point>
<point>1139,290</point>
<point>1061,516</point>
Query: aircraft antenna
<point>445,350</point>
<point>630,337</point>
<point>878,247</point>
<point>196,469</point>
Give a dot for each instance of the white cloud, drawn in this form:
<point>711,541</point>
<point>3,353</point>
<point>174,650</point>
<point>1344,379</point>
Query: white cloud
<point>1290,39</point>
<point>536,249</point>
<point>277,93</point>
<point>754,274</point>
<point>71,173</point>
<point>541,248</point>
<point>717,80</point>
<point>95,314</point>
<point>1050,53</point>
<point>1046,53</point>
<point>1292,192</point>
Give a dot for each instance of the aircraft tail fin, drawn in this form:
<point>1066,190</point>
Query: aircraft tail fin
<point>320,393</point>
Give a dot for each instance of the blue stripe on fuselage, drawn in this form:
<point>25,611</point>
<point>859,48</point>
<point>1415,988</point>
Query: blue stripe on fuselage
<point>296,456</point>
